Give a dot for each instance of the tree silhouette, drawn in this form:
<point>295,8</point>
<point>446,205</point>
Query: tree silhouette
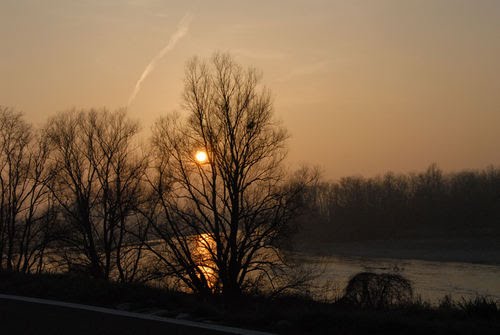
<point>220,219</point>
<point>97,184</point>
<point>24,201</point>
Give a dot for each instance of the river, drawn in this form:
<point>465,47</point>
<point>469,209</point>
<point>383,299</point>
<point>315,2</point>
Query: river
<point>432,280</point>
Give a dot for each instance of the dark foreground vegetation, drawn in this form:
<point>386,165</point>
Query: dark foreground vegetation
<point>283,314</point>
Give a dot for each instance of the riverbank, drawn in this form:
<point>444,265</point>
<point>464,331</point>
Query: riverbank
<point>466,250</point>
<point>282,315</point>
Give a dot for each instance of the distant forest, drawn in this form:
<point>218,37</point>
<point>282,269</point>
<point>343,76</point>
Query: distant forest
<point>416,205</point>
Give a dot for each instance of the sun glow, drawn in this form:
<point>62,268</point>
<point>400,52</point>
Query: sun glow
<point>201,157</point>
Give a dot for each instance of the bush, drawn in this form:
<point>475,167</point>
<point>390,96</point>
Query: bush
<point>372,290</point>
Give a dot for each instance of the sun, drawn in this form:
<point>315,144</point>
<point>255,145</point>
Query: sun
<point>201,157</point>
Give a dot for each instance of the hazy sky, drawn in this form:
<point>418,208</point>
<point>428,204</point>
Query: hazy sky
<point>363,86</point>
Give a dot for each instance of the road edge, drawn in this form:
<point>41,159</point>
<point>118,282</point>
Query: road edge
<point>105,310</point>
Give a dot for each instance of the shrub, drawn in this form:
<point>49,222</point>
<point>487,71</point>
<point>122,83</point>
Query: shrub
<point>373,290</point>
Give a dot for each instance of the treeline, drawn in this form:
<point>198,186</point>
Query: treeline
<point>428,204</point>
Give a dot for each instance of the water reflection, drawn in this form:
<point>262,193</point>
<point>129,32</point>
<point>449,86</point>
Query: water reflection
<point>204,249</point>
<point>431,280</point>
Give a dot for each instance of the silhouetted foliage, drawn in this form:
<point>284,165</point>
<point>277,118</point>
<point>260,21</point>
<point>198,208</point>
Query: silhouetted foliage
<point>480,306</point>
<point>220,219</point>
<point>378,290</point>
<point>426,204</point>
<point>97,185</point>
<point>26,209</point>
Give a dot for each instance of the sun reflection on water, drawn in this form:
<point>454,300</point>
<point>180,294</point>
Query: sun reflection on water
<point>205,246</point>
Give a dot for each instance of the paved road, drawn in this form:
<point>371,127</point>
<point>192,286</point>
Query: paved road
<point>26,318</point>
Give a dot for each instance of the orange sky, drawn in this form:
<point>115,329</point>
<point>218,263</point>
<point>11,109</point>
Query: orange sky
<point>363,86</point>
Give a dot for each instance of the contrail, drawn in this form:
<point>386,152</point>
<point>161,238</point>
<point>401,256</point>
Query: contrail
<point>181,31</point>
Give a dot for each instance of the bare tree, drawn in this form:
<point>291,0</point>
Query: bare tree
<point>98,186</point>
<point>219,216</point>
<point>24,201</point>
